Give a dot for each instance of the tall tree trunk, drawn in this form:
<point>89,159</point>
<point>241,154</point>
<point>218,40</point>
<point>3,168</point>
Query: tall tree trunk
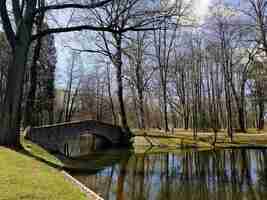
<point>261,115</point>
<point>240,103</point>
<point>136,107</point>
<point>29,120</point>
<point>68,91</point>
<point>29,110</point>
<point>184,97</point>
<point>124,122</point>
<point>186,122</point>
<point>10,111</point>
<point>140,96</point>
<point>165,108</point>
<point>241,119</point>
<point>118,64</point>
<point>228,109</point>
<point>142,112</point>
<point>110,96</point>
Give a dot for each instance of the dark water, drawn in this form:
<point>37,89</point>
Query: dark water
<point>184,175</point>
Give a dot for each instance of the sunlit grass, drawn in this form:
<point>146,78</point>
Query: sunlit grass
<point>40,153</point>
<point>24,177</point>
<point>252,138</point>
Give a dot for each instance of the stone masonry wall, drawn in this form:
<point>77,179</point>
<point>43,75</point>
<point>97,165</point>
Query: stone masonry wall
<point>75,138</point>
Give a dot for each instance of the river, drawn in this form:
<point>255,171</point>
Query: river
<point>233,174</point>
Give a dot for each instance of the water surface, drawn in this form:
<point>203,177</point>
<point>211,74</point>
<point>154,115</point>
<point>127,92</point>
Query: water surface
<point>186,175</point>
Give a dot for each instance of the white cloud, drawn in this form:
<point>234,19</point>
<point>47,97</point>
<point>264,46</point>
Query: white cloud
<point>201,7</point>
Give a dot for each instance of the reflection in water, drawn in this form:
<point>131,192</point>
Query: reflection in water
<point>198,175</point>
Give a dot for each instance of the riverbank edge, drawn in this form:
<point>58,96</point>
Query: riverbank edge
<point>47,158</point>
<point>89,193</point>
<point>186,139</point>
<point>22,175</point>
<point>160,140</point>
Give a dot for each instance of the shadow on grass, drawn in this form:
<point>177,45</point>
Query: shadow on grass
<point>90,163</point>
<point>38,158</point>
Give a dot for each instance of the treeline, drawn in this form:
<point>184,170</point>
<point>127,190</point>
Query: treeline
<point>207,77</point>
<point>23,24</point>
<point>38,95</point>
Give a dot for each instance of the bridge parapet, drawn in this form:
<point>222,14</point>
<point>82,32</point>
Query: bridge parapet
<point>70,137</point>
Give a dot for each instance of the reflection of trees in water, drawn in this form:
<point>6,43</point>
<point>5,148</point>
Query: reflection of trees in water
<point>261,169</point>
<point>222,175</point>
<point>218,175</point>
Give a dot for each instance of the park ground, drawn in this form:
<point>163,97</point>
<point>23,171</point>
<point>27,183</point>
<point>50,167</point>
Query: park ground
<point>34,174</point>
<point>205,139</point>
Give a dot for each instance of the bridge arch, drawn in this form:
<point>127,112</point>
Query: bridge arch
<point>55,137</point>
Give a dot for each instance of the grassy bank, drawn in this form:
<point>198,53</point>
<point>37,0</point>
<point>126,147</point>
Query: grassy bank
<point>33,173</point>
<point>182,138</point>
<point>40,153</point>
<point>25,177</point>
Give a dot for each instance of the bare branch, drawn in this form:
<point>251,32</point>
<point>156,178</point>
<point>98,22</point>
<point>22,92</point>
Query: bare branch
<point>71,29</point>
<point>72,5</point>
<point>7,24</point>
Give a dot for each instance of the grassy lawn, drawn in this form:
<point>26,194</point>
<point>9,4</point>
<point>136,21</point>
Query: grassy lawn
<point>40,153</point>
<point>24,177</point>
<point>252,138</point>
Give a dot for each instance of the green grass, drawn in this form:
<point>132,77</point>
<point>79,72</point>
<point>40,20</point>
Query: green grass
<point>253,138</point>
<point>40,153</point>
<point>24,177</point>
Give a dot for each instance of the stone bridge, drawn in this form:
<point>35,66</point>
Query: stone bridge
<point>76,138</point>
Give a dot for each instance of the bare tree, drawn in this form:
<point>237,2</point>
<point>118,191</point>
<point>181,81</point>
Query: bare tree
<point>125,16</point>
<point>164,40</point>
<point>20,37</point>
<point>109,83</point>
<point>72,87</point>
<point>140,72</point>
